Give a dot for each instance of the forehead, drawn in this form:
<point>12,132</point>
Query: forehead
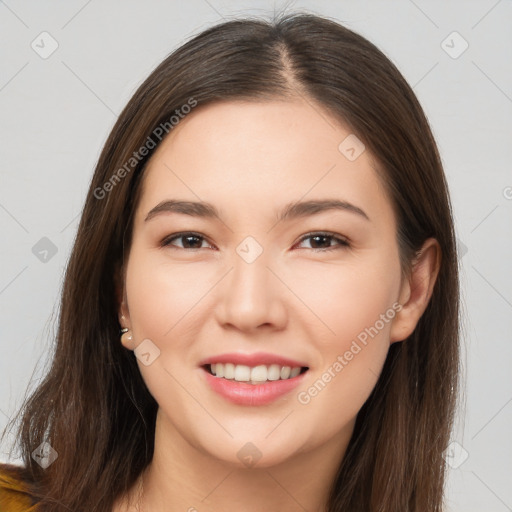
<point>259,155</point>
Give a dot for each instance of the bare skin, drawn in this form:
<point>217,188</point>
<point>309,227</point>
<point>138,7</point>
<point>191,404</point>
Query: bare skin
<point>303,298</point>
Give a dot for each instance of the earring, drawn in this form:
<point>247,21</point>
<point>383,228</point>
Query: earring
<point>125,337</point>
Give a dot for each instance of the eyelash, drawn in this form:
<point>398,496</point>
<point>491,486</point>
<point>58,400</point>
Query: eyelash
<point>342,242</point>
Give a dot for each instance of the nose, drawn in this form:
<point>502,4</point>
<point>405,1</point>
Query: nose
<point>252,297</point>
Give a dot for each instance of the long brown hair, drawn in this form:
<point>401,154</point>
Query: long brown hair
<point>93,406</point>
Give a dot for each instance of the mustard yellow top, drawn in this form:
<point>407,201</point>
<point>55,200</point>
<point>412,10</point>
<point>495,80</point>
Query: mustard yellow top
<point>14,494</point>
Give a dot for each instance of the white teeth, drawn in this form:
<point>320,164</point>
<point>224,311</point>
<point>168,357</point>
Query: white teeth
<point>259,373</point>
<point>242,373</point>
<point>294,372</point>
<point>256,375</point>
<point>229,371</point>
<point>274,372</point>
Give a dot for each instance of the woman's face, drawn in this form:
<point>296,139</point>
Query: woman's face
<point>253,281</point>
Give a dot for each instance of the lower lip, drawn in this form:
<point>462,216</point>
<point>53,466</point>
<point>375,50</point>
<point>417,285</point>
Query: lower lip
<point>242,393</point>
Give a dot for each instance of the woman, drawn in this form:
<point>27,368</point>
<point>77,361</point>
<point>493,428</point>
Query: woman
<point>261,305</point>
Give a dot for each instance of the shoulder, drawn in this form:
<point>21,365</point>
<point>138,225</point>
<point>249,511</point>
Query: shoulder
<point>14,490</point>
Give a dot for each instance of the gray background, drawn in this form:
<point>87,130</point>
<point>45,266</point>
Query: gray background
<point>56,113</point>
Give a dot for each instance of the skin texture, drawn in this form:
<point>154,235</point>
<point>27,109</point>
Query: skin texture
<point>250,159</point>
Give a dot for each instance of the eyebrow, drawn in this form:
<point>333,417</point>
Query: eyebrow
<point>289,212</point>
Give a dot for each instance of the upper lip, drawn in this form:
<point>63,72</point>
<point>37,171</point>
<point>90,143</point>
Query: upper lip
<point>255,359</point>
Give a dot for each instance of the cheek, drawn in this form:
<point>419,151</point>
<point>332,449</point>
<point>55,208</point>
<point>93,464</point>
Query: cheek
<point>166,304</point>
<point>334,395</point>
<point>163,297</point>
<point>351,360</point>
<point>346,298</point>
<point>161,305</point>
<point>355,305</point>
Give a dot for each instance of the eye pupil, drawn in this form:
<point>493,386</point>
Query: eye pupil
<point>189,237</point>
<point>324,237</point>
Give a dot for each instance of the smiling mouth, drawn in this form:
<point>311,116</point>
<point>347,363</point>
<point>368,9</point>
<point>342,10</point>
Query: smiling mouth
<point>260,374</point>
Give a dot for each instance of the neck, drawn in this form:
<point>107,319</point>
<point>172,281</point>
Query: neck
<point>183,477</point>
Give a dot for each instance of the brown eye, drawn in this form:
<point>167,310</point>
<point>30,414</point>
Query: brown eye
<point>322,241</point>
<point>189,241</point>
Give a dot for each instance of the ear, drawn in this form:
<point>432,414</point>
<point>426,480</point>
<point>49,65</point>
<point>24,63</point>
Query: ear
<point>416,290</point>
